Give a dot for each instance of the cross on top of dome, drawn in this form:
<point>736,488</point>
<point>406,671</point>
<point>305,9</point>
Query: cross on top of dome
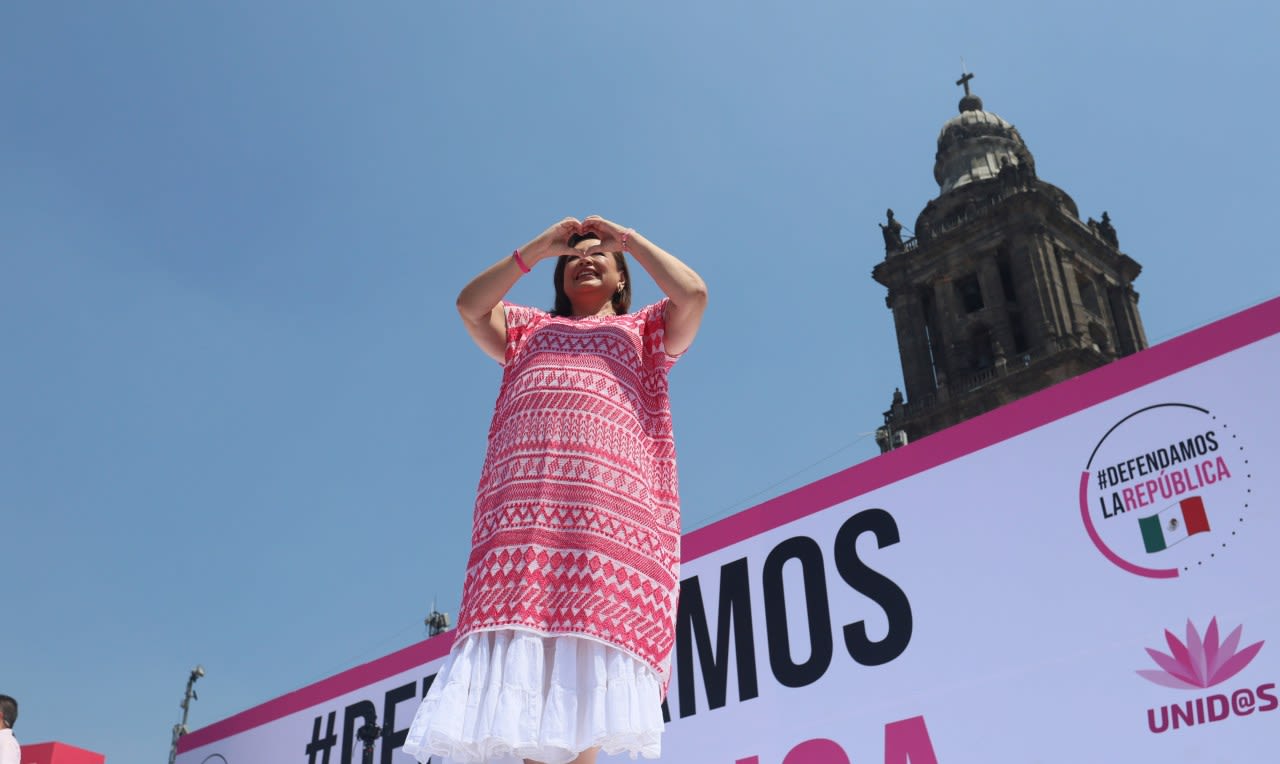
<point>970,102</point>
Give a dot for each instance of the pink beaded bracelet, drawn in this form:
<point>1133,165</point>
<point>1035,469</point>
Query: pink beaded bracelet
<point>625,234</point>
<point>519,261</point>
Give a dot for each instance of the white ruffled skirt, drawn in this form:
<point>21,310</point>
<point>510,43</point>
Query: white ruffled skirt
<point>503,696</point>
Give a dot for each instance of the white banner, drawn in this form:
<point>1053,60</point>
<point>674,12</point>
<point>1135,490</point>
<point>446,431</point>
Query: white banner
<point>1085,575</point>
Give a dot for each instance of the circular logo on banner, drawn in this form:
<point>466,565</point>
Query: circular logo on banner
<point>1166,490</point>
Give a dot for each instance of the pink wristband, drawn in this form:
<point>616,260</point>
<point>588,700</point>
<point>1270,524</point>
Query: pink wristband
<point>519,261</point>
<point>625,234</point>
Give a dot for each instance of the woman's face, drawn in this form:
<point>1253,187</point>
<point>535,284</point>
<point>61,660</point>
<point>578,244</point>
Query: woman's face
<point>590,279</point>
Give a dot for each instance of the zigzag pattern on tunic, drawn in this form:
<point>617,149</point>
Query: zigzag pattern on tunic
<point>577,517</point>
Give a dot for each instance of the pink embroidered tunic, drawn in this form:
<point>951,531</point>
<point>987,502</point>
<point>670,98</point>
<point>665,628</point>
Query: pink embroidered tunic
<point>577,518</point>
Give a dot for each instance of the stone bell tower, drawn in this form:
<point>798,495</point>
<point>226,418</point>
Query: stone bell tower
<point>1003,290</point>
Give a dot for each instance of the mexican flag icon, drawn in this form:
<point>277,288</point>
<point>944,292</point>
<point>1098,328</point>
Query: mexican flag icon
<point>1173,524</point>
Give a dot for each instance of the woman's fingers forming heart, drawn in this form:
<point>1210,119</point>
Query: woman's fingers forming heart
<point>592,226</point>
<point>607,232</point>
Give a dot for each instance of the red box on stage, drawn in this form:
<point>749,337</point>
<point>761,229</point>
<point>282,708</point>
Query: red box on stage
<point>59,753</point>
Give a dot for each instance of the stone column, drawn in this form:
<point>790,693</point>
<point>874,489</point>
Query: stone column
<point>1130,336</point>
<point>944,297</point>
<point>997,314</point>
<point>1043,315</point>
<point>913,343</point>
<point>1074,303</point>
<point>989,280</point>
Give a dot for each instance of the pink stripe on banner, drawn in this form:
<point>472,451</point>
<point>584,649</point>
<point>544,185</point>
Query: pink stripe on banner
<point>326,689</point>
<point>1023,415</point>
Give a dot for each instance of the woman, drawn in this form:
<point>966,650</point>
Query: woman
<point>563,643</point>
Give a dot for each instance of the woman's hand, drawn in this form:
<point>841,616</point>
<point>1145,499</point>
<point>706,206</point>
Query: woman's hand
<point>609,233</point>
<point>552,242</point>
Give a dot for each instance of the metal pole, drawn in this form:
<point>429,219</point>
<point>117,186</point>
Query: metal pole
<point>181,729</point>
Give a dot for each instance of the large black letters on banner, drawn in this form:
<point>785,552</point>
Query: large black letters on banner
<point>712,663</point>
<point>322,744</point>
<point>875,586</point>
<point>807,552</point>
<point>393,738</point>
<point>691,625</point>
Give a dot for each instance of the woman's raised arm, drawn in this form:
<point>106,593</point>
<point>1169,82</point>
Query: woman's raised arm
<point>479,302</point>
<point>684,288</point>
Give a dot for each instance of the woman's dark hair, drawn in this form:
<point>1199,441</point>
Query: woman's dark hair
<point>9,710</point>
<point>621,299</point>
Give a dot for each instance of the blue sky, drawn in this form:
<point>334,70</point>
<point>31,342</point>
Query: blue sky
<point>241,424</point>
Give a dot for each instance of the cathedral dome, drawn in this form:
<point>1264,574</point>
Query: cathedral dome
<point>975,144</point>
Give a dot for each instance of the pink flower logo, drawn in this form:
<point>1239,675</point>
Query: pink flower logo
<point>1199,662</point>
